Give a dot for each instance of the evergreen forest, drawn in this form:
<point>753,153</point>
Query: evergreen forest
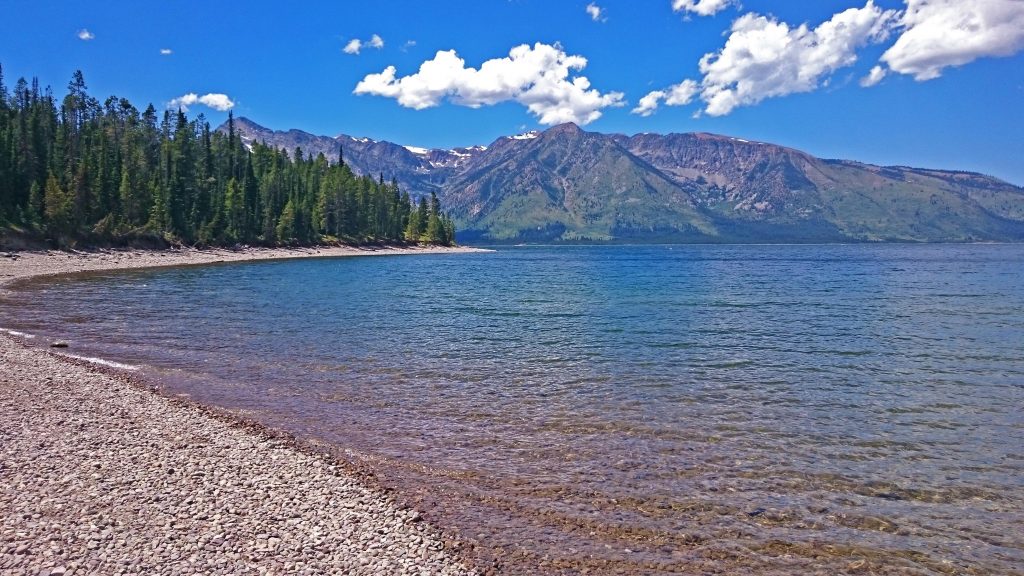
<point>78,172</point>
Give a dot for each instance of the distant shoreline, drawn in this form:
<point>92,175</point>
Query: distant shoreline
<point>16,266</point>
<point>178,485</point>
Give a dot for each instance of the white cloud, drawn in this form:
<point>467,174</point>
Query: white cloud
<point>679,95</point>
<point>353,47</point>
<point>536,77</point>
<point>408,44</point>
<point>764,58</point>
<point>942,33</point>
<point>84,34</point>
<point>166,51</point>
<point>219,102</point>
<point>356,45</point>
<point>701,7</point>
<point>873,77</point>
<point>649,103</point>
<point>595,12</point>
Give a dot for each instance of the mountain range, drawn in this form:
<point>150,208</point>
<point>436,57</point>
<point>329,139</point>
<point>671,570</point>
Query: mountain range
<point>569,185</point>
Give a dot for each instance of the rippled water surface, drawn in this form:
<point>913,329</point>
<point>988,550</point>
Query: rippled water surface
<point>718,409</point>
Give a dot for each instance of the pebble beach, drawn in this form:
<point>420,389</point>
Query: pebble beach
<point>100,474</point>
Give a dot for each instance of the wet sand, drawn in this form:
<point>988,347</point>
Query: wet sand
<point>100,474</point>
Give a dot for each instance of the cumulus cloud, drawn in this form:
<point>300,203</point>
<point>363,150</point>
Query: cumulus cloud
<point>595,12</point>
<point>649,103</point>
<point>938,34</point>
<point>537,77</point>
<point>219,102</point>
<point>166,51</point>
<point>701,7</point>
<point>84,34</point>
<point>408,44</point>
<point>355,45</point>
<point>765,58</point>
<point>679,95</point>
<point>873,77</point>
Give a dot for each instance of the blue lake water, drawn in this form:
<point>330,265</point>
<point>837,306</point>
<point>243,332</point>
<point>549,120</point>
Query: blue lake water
<point>656,409</point>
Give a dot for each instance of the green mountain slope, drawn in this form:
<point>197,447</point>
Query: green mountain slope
<point>567,184</point>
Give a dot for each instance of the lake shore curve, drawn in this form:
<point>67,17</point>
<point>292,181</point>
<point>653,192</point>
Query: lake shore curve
<point>100,473</point>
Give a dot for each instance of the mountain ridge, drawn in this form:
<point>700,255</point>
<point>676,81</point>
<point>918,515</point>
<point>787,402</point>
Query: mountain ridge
<point>566,184</point>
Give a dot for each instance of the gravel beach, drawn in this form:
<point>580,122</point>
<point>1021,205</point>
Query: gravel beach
<point>99,475</point>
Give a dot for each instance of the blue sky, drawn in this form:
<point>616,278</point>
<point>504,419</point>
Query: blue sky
<point>949,90</point>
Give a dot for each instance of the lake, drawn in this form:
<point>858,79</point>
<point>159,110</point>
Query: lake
<point>649,409</point>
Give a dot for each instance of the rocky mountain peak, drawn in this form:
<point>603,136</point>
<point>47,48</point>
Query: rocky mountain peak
<point>568,128</point>
<point>243,123</point>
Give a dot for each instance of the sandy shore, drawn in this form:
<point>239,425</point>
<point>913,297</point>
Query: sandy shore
<point>100,475</point>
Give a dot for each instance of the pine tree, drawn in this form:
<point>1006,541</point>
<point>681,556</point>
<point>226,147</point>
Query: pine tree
<point>449,232</point>
<point>435,229</point>
<point>250,201</point>
<point>35,213</point>
<point>286,223</point>
<point>412,230</point>
<point>423,217</point>
<point>234,209</point>
<point>59,209</point>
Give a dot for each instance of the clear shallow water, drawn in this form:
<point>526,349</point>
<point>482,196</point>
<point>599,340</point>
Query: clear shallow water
<point>782,409</point>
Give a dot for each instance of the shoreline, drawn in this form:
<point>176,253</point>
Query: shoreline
<point>17,266</point>
<point>190,488</point>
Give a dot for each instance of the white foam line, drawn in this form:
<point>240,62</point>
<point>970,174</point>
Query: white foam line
<point>18,334</point>
<point>102,362</point>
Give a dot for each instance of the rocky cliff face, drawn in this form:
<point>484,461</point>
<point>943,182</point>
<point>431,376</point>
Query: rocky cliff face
<point>566,184</point>
<point>748,175</point>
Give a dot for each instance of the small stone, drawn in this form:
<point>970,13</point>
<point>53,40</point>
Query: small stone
<point>59,344</point>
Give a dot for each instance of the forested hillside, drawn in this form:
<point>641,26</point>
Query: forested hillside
<point>78,171</point>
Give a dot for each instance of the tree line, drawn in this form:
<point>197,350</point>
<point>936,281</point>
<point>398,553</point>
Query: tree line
<point>82,171</point>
